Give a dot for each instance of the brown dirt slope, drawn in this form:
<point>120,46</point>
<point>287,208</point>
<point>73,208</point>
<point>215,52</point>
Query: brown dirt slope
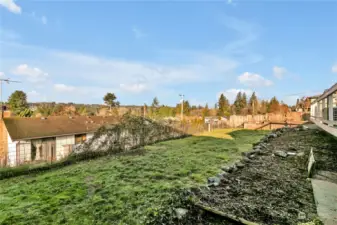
<point>269,189</point>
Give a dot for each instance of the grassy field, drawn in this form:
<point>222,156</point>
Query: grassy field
<point>219,133</point>
<point>119,190</point>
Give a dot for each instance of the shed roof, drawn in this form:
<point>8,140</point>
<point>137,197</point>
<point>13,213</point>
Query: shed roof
<point>32,128</point>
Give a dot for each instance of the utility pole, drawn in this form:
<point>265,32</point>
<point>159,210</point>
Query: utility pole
<point>8,81</point>
<point>144,109</point>
<point>182,106</point>
<point>253,108</point>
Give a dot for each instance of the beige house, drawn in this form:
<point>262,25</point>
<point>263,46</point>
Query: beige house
<point>323,110</point>
<point>25,140</point>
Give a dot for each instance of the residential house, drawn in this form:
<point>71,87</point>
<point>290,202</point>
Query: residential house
<point>25,140</point>
<point>308,101</point>
<point>323,110</point>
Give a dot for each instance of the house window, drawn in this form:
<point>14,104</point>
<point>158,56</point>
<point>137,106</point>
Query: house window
<point>80,138</point>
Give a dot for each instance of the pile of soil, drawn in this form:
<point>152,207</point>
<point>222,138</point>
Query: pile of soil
<point>270,188</point>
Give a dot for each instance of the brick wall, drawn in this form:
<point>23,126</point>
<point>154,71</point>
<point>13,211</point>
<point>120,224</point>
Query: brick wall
<point>3,143</point>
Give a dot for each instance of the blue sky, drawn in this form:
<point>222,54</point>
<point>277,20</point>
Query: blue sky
<point>76,51</point>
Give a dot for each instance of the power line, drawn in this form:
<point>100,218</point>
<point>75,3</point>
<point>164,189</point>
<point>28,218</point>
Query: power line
<point>303,93</point>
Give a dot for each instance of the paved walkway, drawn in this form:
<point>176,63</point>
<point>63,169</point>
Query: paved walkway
<point>324,184</point>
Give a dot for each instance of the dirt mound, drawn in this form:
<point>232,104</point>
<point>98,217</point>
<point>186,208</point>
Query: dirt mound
<point>269,186</point>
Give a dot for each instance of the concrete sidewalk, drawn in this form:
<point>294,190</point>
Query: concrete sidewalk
<point>324,184</point>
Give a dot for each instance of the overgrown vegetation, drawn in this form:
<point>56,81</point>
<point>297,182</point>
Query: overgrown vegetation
<point>18,104</point>
<point>125,189</point>
<point>110,99</point>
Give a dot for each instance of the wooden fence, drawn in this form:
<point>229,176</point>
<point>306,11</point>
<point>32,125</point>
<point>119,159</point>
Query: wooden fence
<point>239,121</point>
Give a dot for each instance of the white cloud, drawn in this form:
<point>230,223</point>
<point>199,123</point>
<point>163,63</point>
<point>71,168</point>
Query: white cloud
<point>291,99</point>
<point>279,72</point>
<point>64,88</point>
<point>134,88</point>
<point>92,76</point>
<point>35,96</point>
<point>33,93</point>
<point>231,93</point>
<point>38,18</point>
<point>334,68</point>
<point>80,93</point>
<point>100,70</point>
<point>33,74</point>
<point>11,6</point>
<point>254,80</point>
<point>247,33</point>
<point>196,102</point>
<point>2,74</point>
<point>44,20</point>
<point>138,33</point>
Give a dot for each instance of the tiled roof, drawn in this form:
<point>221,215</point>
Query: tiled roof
<point>31,128</point>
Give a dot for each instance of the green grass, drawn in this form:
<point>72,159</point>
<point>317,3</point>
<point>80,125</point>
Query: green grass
<point>122,190</point>
<point>219,133</point>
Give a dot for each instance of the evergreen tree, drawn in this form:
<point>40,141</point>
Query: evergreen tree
<point>244,104</point>
<point>205,111</point>
<point>263,107</point>
<point>274,105</point>
<point>238,103</point>
<point>253,104</point>
<point>155,107</point>
<point>244,100</point>
<point>223,106</point>
<point>155,103</point>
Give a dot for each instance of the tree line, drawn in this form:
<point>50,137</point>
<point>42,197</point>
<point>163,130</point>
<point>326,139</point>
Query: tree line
<point>241,106</point>
<point>19,105</point>
<point>252,106</point>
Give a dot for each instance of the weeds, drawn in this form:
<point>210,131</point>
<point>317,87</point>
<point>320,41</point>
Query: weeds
<point>124,189</point>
